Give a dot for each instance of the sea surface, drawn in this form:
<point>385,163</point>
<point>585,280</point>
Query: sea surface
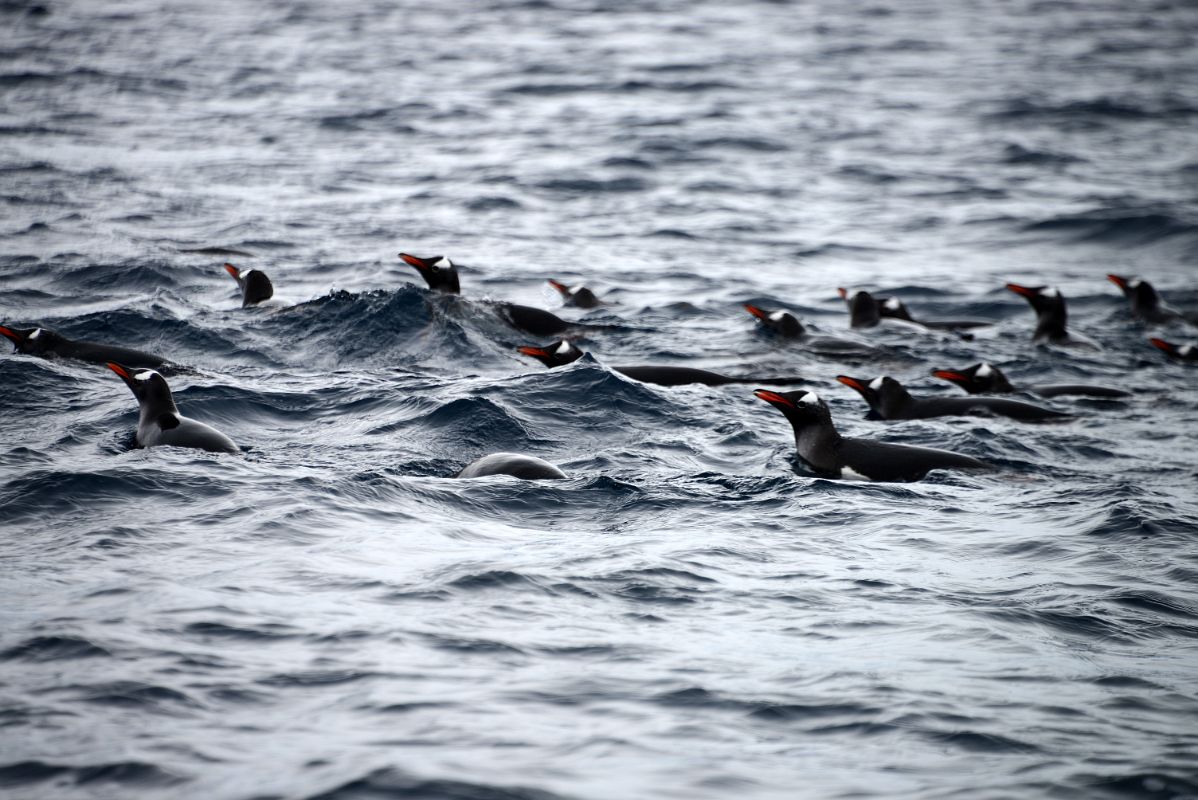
<point>692,613</point>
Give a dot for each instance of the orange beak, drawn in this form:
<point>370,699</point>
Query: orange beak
<point>1118,280</point>
<point>773,397</point>
<point>844,293</point>
<point>232,270</point>
<point>119,370</point>
<point>859,385</point>
<point>9,333</point>
<point>755,311</point>
<point>535,352</point>
<point>1163,345</point>
<point>949,375</point>
<point>561,287</point>
<point>413,261</point>
<point>1021,290</point>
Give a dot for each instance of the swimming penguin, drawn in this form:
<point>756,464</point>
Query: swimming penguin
<point>1146,304</point>
<point>825,451</point>
<point>1049,305</point>
<point>48,344</point>
<point>985,378</point>
<point>578,296</point>
<point>160,422</point>
<point>442,276</point>
<point>780,322</point>
<point>893,308</point>
<point>1182,352</point>
<point>888,399</point>
<point>529,468</point>
<point>864,310</point>
<point>255,286</point>
<point>565,352</point>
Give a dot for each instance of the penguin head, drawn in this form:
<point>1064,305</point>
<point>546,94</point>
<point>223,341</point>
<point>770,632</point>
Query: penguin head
<point>255,286</point>
<point>33,341</point>
<point>976,379</point>
<point>438,271</point>
<point>780,322</point>
<point>1185,352</point>
<point>884,394</point>
<point>864,311</point>
<point>1141,293</point>
<point>555,355</point>
<point>148,386</point>
<point>579,296</point>
<point>1044,300</point>
<point>893,308</point>
<point>802,408</point>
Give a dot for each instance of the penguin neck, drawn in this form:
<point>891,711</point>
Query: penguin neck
<point>817,444</point>
<point>151,411</point>
<point>1051,325</point>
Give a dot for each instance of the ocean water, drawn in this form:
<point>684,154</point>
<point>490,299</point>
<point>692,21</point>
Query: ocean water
<point>692,614</point>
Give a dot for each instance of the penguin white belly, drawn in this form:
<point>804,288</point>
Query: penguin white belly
<point>188,433</point>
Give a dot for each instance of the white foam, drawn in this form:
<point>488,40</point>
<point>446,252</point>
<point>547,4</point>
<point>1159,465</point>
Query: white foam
<point>876,383</point>
<point>36,333</point>
<point>145,375</point>
<point>563,348</point>
<point>849,474</point>
<point>810,399</point>
<point>984,371</point>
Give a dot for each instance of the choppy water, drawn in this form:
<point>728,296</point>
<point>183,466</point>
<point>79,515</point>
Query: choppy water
<point>687,616</point>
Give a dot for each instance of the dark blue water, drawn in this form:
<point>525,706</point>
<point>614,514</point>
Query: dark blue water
<point>691,614</point>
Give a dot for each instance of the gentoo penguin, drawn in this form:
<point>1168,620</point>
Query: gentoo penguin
<point>985,378</point>
<point>889,399</point>
<point>529,468</point>
<point>1145,302</point>
<point>1182,352</point>
<point>160,421</point>
<point>893,308</point>
<point>1049,305</point>
<point>255,286</point>
<point>825,451</point>
<point>48,344</point>
<point>780,322</point>
<point>442,276</point>
<point>578,296</point>
<point>864,310</point>
<point>565,352</point>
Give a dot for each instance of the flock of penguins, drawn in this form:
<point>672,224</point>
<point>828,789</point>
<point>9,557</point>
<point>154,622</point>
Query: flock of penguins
<point>817,441</point>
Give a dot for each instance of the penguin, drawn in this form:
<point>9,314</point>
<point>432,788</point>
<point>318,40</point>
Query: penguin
<point>864,310</point>
<point>442,276</point>
<point>1049,305</point>
<point>888,399</point>
<point>1181,352</point>
<point>48,344</point>
<point>783,323</point>
<point>517,465</point>
<point>893,308</point>
<point>578,296</point>
<point>160,422</point>
<point>986,378</point>
<point>255,286</point>
<point>565,352</point>
<point>826,452</point>
<point>1146,304</point>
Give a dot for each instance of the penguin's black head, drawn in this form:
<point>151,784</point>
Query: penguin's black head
<point>977,379</point>
<point>33,341</point>
<point>863,308</point>
<point>1141,293</point>
<point>893,308</point>
<point>578,296</point>
<point>801,408</point>
<point>884,394</point>
<point>781,322</point>
<point>555,355</point>
<point>438,271</point>
<point>255,286</point>
<point>148,387</point>
<point>1044,300</point>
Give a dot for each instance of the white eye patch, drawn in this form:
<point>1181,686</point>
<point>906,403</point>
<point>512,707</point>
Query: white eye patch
<point>36,333</point>
<point>144,376</point>
<point>778,316</point>
<point>876,383</point>
<point>893,303</point>
<point>810,399</point>
<point>446,263</point>
<point>246,273</point>
<point>1052,291</point>
<point>575,289</point>
<point>1186,350</point>
<point>985,371</point>
<point>563,348</point>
